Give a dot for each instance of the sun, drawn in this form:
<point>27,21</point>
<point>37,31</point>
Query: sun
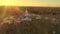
<point>7,2</point>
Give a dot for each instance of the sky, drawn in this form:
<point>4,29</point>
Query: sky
<point>49,3</point>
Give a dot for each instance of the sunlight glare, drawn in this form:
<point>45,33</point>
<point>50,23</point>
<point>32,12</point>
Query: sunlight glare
<point>7,2</point>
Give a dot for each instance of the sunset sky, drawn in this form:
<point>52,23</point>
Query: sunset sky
<point>51,3</point>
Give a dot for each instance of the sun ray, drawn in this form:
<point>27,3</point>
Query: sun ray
<point>4,11</point>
